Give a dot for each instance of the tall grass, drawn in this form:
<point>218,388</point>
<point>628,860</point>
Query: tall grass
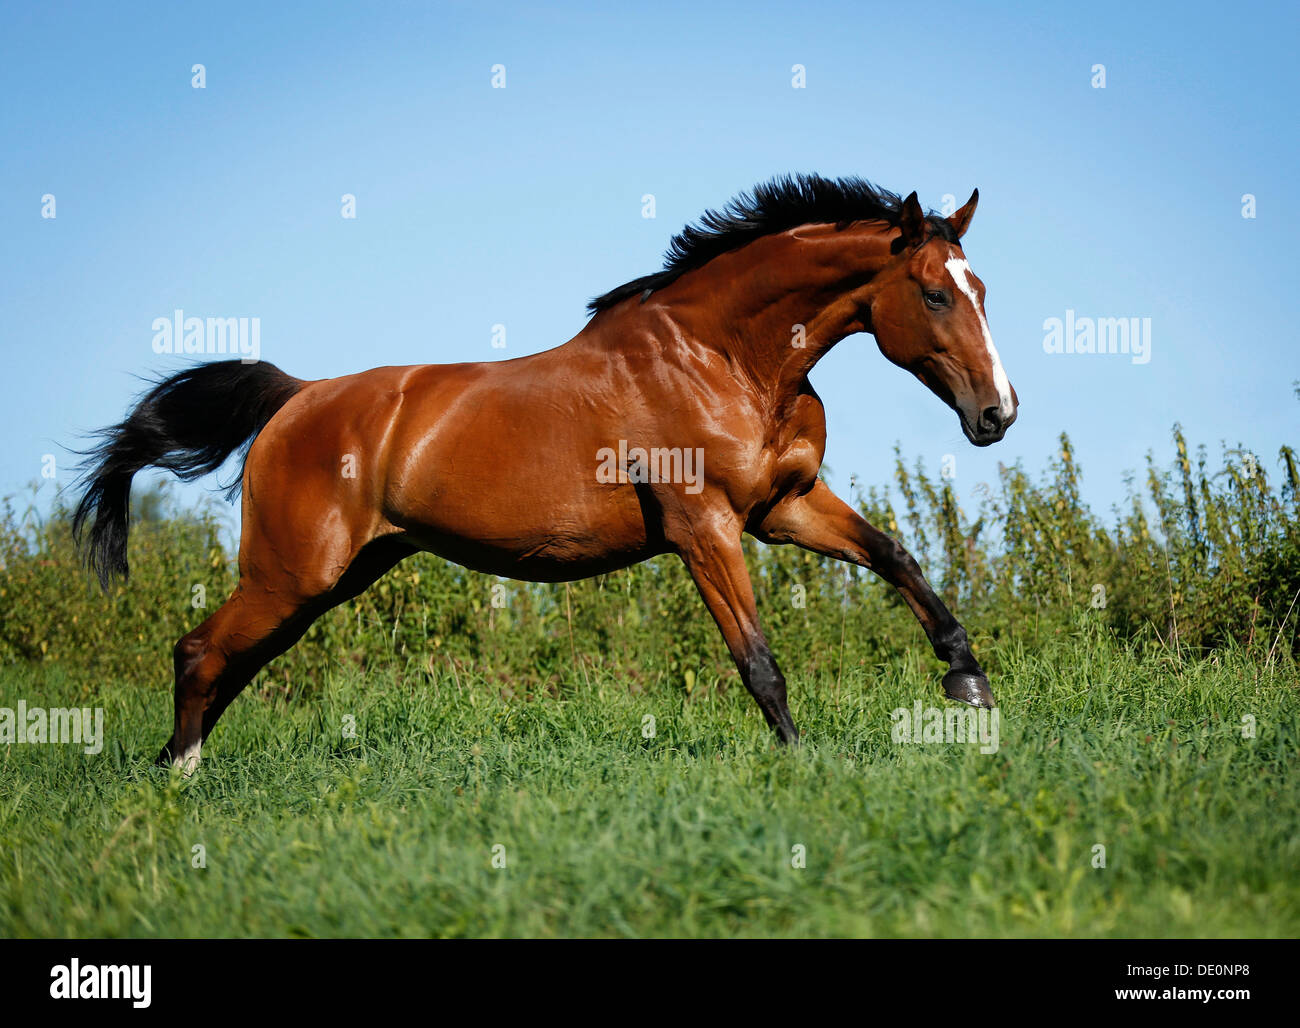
<point>703,829</point>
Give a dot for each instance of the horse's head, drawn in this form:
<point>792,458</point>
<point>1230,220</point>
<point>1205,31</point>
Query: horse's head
<point>927,314</point>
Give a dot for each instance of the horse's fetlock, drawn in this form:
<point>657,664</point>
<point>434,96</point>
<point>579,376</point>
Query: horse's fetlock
<point>953,647</point>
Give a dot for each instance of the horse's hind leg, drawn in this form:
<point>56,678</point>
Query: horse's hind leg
<point>217,659</point>
<point>263,617</point>
<point>716,562</point>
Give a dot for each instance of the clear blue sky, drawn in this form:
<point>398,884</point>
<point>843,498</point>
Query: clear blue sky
<point>478,206</point>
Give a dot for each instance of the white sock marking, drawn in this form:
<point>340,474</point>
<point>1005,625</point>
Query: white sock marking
<point>188,761</point>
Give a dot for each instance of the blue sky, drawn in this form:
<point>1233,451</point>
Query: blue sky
<point>478,206</point>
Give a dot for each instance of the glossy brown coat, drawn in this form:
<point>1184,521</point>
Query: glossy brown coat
<point>494,465</point>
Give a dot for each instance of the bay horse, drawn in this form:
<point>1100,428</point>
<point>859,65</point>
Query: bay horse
<point>504,467</point>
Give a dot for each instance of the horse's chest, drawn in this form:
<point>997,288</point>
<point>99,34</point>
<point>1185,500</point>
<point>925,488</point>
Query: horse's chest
<point>799,443</point>
<point>789,459</point>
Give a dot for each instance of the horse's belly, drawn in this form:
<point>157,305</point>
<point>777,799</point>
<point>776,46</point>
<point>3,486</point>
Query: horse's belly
<point>530,530</point>
<point>502,473</point>
<point>563,551</point>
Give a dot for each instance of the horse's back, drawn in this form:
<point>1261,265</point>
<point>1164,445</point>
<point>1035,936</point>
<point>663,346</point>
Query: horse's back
<point>492,465</point>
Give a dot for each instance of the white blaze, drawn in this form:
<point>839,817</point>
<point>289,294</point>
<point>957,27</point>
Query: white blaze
<point>961,275</point>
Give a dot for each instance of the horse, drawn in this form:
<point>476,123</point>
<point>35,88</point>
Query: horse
<point>577,461</point>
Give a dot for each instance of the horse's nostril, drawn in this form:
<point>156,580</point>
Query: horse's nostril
<point>991,417</point>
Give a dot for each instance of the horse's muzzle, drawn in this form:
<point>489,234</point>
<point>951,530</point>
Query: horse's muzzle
<point>989,427</point>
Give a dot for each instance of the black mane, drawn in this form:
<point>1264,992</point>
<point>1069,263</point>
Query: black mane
<point>775,206</point>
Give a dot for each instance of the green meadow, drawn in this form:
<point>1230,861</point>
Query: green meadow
<point>453,756</point>
<point>703,829</point>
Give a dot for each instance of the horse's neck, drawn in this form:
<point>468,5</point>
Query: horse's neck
<point>778,324</point>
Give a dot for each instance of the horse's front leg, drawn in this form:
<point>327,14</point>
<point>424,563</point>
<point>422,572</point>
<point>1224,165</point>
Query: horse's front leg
<point>716,562</point>
<point>820,521</point>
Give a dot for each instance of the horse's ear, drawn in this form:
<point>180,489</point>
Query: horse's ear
<point>912,221</point>
<point>960,220</point>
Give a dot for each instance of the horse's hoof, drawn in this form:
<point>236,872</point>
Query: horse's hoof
<point>968,687</point>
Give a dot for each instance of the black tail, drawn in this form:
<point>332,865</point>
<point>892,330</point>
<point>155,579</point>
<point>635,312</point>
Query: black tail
<point>187,424</point>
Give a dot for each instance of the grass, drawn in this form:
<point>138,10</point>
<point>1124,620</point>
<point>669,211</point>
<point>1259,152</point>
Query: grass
<point>688,833</point>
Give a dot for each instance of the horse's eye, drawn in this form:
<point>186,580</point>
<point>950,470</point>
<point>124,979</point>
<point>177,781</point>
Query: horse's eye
<point>936,299</point>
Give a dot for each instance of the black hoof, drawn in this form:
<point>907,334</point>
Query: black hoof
<point>968,687</point>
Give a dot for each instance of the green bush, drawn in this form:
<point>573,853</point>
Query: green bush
<point>1197,561</point>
